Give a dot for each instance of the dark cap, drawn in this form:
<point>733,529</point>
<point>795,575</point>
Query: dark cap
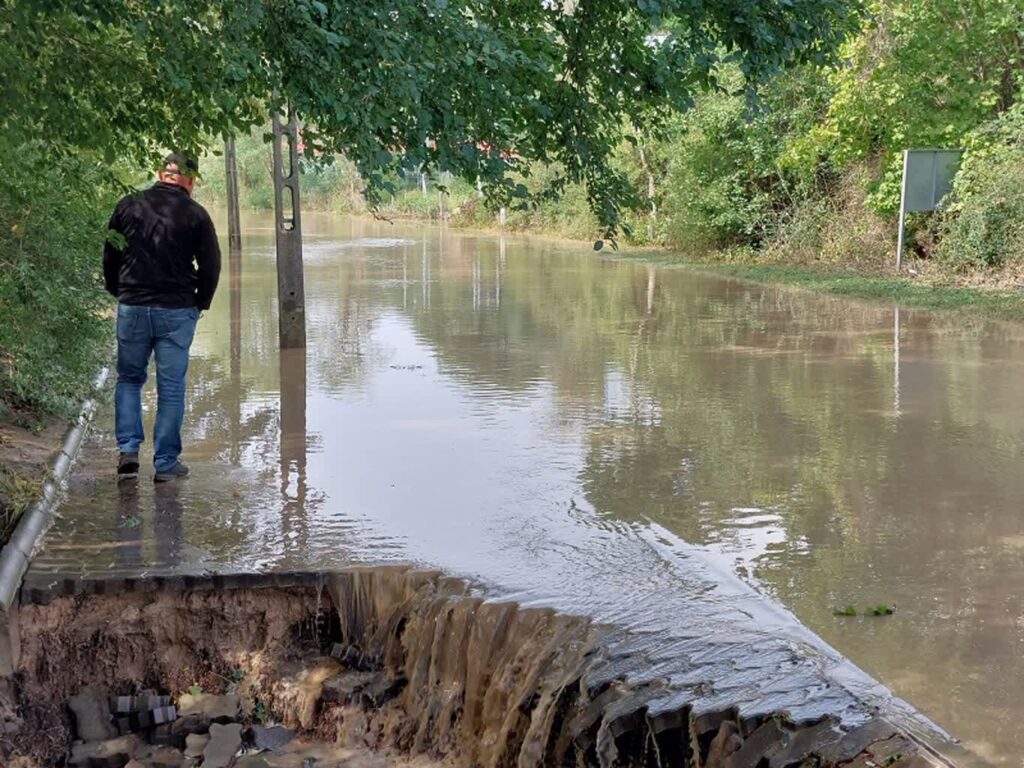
<point>187,166</point>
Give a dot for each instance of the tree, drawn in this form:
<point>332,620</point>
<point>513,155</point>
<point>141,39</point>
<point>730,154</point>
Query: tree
<point>472,87</point>
<point>921,73</point>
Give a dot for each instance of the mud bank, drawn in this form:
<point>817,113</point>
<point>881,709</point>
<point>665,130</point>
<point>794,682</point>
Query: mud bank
<point>406,663</point>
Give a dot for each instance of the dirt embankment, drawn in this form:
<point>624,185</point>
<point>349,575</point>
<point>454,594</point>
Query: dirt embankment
<point>390,665</point>
<point>25,456</point>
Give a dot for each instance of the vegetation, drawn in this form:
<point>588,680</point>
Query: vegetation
<point>51,337</point>
<point>805,167</point>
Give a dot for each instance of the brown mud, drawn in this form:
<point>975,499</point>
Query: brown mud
<point>409,664</point>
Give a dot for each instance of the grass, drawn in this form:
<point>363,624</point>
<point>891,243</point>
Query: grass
<point>837,281</point>
<point>881,609</point>
<point>17,492</point>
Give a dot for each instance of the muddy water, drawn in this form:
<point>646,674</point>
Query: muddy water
<point>615,440</point>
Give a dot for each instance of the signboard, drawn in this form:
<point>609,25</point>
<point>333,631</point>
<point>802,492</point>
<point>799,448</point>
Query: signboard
<point>927,178</point>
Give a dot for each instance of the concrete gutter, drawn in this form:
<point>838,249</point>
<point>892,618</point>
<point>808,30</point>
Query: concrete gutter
<point>16,555</point>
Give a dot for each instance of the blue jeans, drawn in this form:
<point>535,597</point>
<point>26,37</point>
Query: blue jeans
<point>141,331</point>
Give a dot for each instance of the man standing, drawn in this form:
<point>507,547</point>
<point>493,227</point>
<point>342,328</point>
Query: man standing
<point>164,272</point>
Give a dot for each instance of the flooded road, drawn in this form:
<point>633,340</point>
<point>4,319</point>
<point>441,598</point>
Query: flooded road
<point>611,438</point>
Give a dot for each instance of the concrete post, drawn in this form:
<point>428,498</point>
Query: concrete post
<point>231,177</point>
<point>291,294</point>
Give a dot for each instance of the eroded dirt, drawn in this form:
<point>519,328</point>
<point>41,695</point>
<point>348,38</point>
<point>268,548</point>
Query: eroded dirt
<point>389,665</point>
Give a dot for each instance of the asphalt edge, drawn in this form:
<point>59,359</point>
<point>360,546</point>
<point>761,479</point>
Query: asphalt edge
<point>36,520</point>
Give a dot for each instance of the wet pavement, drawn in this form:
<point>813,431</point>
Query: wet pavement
<point>644,446</point>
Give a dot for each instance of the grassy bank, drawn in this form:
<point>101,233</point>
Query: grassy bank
<point>905,291</point>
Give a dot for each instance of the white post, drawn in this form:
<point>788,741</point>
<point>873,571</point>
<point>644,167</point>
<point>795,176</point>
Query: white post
<point>896,360</point>
<point>903,212</point>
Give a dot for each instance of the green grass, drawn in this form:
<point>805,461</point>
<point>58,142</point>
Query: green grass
<point>17,492</point>
<point>905,291</point>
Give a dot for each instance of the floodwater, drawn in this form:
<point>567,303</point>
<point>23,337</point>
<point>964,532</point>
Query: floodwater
<point>631,442</point>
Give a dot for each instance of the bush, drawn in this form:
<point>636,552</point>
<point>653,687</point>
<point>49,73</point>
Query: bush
<point>985,227</point>
<point>54,332</point>
<point>836,227</point>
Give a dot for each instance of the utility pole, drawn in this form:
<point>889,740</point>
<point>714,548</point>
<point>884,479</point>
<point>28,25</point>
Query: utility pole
<point>291,294</point>
<point>231,176</point>
<point>235,282</point>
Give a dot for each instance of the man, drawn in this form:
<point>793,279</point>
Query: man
<point>163,269</point>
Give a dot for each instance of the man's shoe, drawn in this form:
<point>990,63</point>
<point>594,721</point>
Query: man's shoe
<point>128,464</point>
<point>176,472</point>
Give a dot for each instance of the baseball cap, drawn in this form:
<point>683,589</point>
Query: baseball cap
<point>187,166</point>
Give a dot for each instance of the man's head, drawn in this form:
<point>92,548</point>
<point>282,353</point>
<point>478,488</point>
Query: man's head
<point>181,170</point>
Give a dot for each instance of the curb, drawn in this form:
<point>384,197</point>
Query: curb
<point>17,553</point>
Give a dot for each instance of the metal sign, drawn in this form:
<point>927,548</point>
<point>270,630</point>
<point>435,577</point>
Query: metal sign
<point>927,178</point>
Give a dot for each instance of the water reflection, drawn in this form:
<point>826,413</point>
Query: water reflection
<point>612,438</point>
<point>162,516</point>
<point>294,511</point>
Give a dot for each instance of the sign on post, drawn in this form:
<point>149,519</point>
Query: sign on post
<point>927,178</point>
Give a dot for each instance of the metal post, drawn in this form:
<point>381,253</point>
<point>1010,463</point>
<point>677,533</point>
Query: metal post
<point>896,360</point>
<point>231,177</point>
<point>291,295</point>
<point>903,214</point>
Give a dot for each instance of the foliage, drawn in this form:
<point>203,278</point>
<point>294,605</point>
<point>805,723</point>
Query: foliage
<point>987,227</point>
<point>921,73</point>
<point>51,338</point>
<point>875,610</point>
<point>474,88</point>
<point>333,186</point>
<point>805,167</point>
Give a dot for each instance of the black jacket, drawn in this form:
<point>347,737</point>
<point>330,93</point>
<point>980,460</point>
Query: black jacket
<point>170,257</point>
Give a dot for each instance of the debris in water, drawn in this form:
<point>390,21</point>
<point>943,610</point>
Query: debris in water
<point>881,610</point>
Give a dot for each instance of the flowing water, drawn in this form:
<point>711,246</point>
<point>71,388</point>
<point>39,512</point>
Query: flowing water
<point>617,439</point>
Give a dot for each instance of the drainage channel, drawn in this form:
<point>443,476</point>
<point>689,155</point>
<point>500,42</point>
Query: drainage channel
<point>372,667</point>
